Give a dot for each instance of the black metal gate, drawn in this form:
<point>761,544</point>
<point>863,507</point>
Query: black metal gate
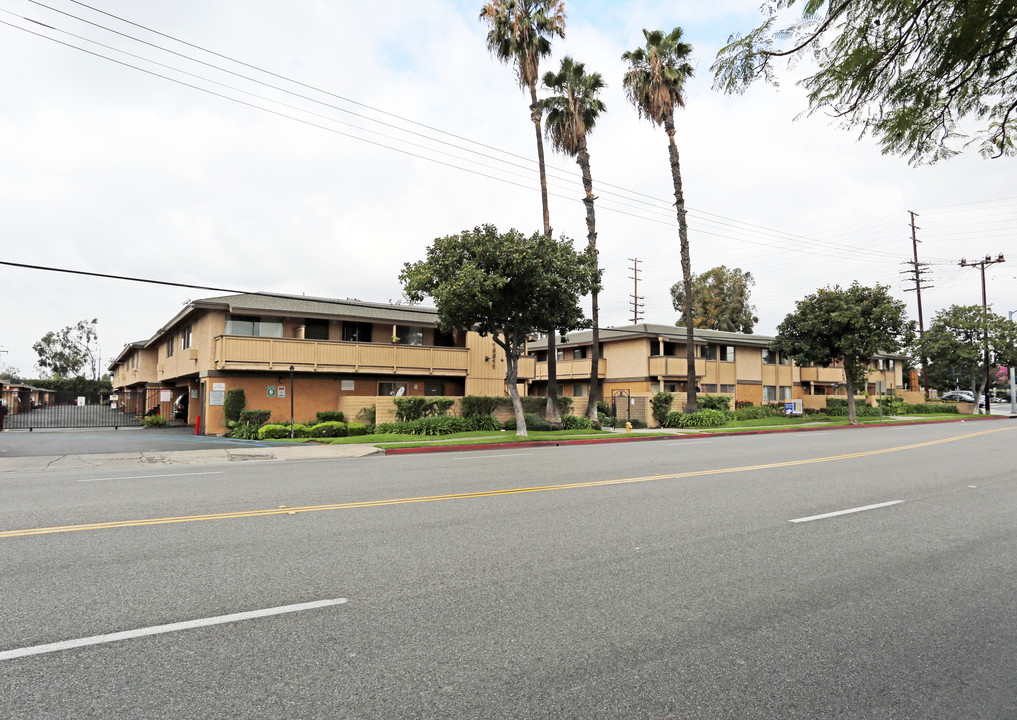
<point>31,408</point>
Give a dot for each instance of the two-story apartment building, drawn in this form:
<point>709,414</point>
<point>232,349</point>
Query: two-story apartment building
<point>312,353</point>
<point>648,358</point>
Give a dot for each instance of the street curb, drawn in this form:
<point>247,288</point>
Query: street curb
<point>601,441</point>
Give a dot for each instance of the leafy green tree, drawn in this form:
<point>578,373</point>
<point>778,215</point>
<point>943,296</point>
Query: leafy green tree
<point>655,84</point>
<point>849,326</point>
<point>955,345</point>
<point>70,351</point>
<point>720,300</point>
<point>520,35</point>
<point>909,73</point>
<point>572,112</point>
<point>505,285</point>
<point>11,375</point>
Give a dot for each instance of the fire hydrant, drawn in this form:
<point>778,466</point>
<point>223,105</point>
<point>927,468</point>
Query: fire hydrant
<point>628,427</point>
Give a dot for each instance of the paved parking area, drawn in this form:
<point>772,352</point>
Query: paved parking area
<point>38,443</point>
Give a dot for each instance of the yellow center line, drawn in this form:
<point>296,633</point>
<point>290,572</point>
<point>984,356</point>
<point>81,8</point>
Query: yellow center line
<point>481,494</point>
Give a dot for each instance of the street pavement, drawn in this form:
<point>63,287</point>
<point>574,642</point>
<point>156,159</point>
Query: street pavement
<point>702,578</point>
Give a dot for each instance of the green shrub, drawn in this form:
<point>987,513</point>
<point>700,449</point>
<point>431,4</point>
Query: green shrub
<point>485,423</point>
<point>576,422</point>
<point>331,416</point>
<point>605,420</point>
<point>861,410</point>
<point>637,423</point>
<point>409,408</point>
<point>393,428</point>
<point>661,406</point>
<point>279,432</point>
<point>537,404</point>
<point>931,408</point>
<point>754,412</point>
<point>154,421</point>
<point>368,414</point>
<point>244,431</point>
<point>440,425</point>
<point>701,419</point>
<point>254,417</point>
<point>356,429</point>
<point>479,405</point>
<point>533,422</point>
<point>603,408</point>
<point>328,429</point>
<point>233,405</point>
<point>714,402</point>
<point>439,406</point>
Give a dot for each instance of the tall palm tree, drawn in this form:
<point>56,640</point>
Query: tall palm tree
<point>655,84</point>
<point>520,34</point>
<point>572,111</point>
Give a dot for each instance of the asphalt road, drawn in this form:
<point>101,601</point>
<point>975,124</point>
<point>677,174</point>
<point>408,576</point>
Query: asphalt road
<point>658,580</point>
<point>66,441</point>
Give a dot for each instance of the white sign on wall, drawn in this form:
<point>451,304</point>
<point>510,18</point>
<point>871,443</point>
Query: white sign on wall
<point>165,395</point>
<point>219,387</point>
<point>349,385</point>
<point>281,391</point>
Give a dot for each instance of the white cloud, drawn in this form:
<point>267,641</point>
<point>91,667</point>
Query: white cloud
<point>106,169</point>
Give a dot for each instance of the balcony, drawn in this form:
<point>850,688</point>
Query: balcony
<point>274,354</point>
<point>823,375</point>
<point>673,367</point>
<point>569,369</point>
<point>527,367</point>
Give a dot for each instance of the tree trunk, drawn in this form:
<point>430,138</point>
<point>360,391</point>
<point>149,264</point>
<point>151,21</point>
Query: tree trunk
<point>691,403</point>
<point>511,382</point>
<point>849,382</point>
<point>552,413</point>
<point>583,158</point>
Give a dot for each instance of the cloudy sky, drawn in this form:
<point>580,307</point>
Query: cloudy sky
<point>353,134</point>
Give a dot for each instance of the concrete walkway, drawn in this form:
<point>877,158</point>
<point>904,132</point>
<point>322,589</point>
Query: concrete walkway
<point>51,463</point>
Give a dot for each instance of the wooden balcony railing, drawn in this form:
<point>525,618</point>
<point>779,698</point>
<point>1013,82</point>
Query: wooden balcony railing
<point>824,375</point>
<point>673,367</point>
<point>569,369</point>
<point>255,353</point>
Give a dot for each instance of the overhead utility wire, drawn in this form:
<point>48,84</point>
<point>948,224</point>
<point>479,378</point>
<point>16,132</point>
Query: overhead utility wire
<point>662,205</point>
<point>568,177</point>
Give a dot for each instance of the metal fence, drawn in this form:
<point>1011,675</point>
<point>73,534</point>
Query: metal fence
<point>28,409</point>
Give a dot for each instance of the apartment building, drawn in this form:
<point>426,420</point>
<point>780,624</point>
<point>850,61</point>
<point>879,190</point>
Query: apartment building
<point>311,354</point>
<point>647,358</point>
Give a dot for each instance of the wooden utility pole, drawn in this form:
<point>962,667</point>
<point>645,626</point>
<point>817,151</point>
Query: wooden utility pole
<point>915,274</point>
<point>983,263</point>
<point>636,297</point>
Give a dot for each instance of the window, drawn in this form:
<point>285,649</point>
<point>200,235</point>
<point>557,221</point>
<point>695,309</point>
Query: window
<point>443,339</point>
<point>785,392</point>
<point>410,334</point>
<point>671,387</point>
<point>769,356</point>
<point>559,355</point>
<point>708,352</point>
<point>879,364</point>
<point>251,326</point>
<point>434,389</point>
<point>769,393</point>
<point>784,359</point>
<point>391,389</point>
<point>579,390</point>
<point>725,353</point>
<point>315,329</point>
<point>169,345</point>
<point>889,364</point>
<point>357,331</point>
<point>185,338</point>
<point>671,349</point>
<point>708,388</point>
<point>727,389</point>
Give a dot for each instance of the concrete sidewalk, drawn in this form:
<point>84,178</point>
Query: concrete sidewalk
<point>50,463</point>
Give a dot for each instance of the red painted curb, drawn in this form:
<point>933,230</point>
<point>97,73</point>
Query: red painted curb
<point>635,438</point>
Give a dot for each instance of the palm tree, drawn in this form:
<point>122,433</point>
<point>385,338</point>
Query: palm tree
<point>520,34</point>
<point>655,83</point>
<point>572,112</point>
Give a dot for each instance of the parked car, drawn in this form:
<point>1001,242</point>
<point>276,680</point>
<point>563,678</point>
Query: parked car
<point>957,396</point>
<point>180,406</point>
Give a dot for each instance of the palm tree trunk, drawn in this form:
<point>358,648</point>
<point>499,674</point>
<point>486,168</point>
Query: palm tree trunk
<point>691,404</point>
<point>552,413</point>
<point>583,158</point>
